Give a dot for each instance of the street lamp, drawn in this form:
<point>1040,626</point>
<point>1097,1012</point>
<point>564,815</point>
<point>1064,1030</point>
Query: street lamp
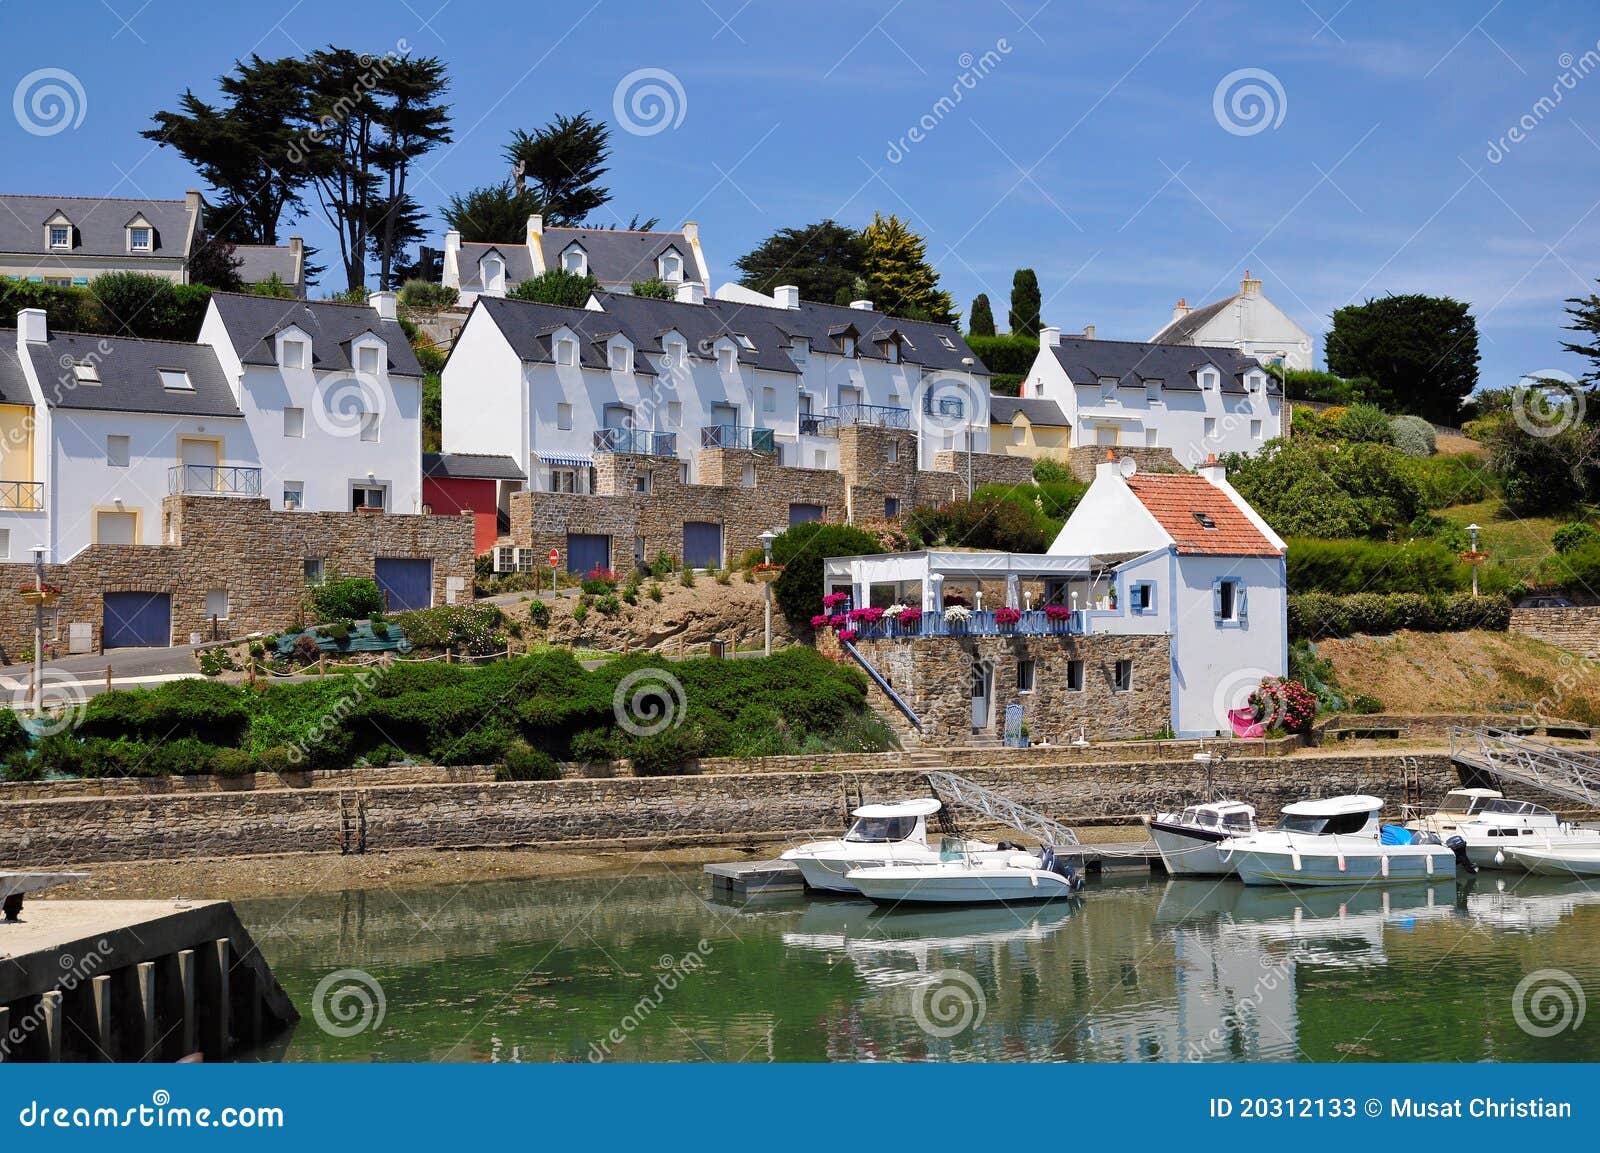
<point>37,702</point>
<point>1473,556</point>
<point>766,538</point>
<point>967,363</point>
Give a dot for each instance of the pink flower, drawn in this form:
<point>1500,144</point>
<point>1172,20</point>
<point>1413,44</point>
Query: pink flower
<point>837,621</point>
<point>848,635</point>
<point>1057,613</point>
<point>1006,615</point>
<point>910,616</point>
<point>870,615</point>
<point>819,620</point>
<point>833,600</point>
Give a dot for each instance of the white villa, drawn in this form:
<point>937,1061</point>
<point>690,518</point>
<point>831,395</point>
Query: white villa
<point>614,257</point>
<point>1246,322</point>
<point>314,406</point>
<point>552,387</point>
<point>1193,401</point>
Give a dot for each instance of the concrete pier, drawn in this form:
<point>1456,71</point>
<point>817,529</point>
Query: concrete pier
<point>134,981</point>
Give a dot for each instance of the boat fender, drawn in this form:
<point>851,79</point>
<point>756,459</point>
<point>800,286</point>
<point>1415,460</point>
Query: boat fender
<point>1033,878</point>
<point>1294,857</point>
<point>1499,857</point>
<point>1340,859</point>
<point>1427,863</point>
<point>1383,866</point>
<point>1458,846</point>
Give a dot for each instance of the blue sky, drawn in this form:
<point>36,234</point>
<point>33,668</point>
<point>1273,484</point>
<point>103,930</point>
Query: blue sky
<point>1090,150</point>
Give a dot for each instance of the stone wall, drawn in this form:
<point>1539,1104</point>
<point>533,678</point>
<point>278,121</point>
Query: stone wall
<point>1576,629</point>
<point>244,546</point>
<point>1083,459</point>
<point>933,675</point>
<point>634,812</point>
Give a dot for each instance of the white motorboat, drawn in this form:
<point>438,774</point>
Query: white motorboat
<point>1338,841</point>
<point>1458,805</point>
<point>889,834</point>
<point>1017,878</point>
<point>1191,840</point>
<point>1556,859</point>
<point>1502,824</point>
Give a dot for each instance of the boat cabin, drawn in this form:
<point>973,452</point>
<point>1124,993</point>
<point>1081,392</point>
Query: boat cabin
<point>1458,805</point>
<point>1234,818</point>
<point>1332,815</point>
<point>1499,817</point>
<point>893,823</point>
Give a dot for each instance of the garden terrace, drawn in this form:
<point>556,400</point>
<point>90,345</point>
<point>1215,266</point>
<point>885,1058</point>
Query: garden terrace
<point>932,580</point>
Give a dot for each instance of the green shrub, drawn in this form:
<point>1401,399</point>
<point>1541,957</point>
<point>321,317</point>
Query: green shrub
<point>1364,424</point>
<point>1573,535</point>
<point>426,297</point>
<point>345,599</point>
<point>1458,478</point>
<point>338,632</point>
<point>19,766</point>
<point>1046,471</point>
<point>594,746</point>
<point>233,763</point>
<point>580,612</point>
<point>664,754</point>
<point>12,735</point>
<point>520,762</point>
<point>608,605</point>
<point>208,711</point>
<point>1315,615</point>
<point>469,628</point>
<point>539,613</point>
<point>662,566</point>
<point>1007,354</point>
<point>556,286</point>
<point>485,744</point>
<point>1413,436</point>
<point>1361,703</point>
<point>1353,566</point>
<point>801,550</point>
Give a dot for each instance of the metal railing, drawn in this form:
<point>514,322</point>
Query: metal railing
<point>213,480</point>
<point>1506,755</point>
<point>997,807</point>
<point>1032,623</point>
<point>22,495</point>
<point>812,424</point>
<point>872,415</point>
<point>888,690</point>
<point>953,407</point>
<point>637,441</point>
<point>737,436</point>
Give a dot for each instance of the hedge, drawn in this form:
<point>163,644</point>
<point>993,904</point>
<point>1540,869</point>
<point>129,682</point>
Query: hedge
<point>1317,615</point>
<point>1357,566</point>
<point>1008,355</point>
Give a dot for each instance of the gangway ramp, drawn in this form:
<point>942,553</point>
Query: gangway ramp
<point>1565,773</point>
<point>956,790</point>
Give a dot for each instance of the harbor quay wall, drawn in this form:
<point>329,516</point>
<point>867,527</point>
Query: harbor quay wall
<point>632,812</point>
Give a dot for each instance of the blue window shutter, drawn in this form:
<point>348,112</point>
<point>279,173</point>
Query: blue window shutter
<point>80,282</point>
<point>1239,603</point>
<point>1216,598</point>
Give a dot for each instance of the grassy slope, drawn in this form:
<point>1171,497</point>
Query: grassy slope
<point>1466,672</point>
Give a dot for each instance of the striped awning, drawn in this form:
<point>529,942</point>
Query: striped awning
<point>566,461</point>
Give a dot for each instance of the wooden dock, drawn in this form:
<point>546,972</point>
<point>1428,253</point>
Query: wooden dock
<point>749,878</point>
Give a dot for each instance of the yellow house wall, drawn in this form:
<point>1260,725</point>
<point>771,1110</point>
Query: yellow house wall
<point>16,442</point>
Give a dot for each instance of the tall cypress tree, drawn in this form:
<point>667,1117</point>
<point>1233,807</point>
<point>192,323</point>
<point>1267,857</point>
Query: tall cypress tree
<point>1025,303</point>
<point>982,322</point>
<point>901,280</point>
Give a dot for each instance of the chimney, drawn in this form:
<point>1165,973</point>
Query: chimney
<point>1213,471</point>
<point>297,260</point>
<point>1181,309</point>
<point>192,202</point>
<point>692,292</point>
<point>1049,337</point>
<point>863,305</point>
<point>384,304</point>
<point>1249,287</point>
<point>1088,332</point>
<point>33,327</point>
<point>1109,466</point>
<point>787,296</point>
<point>691,233</point>
<point>535,230</point>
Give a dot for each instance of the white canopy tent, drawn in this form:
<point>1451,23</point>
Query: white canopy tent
<point>931,569</point>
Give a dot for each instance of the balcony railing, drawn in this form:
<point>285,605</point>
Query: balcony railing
<point>22,495</point>
<point>873,415</point>
<point>812,424</point>
<point>737,436</point>
<point>637,441</point>
<point>1034,623</point>
<point>213,480</point>
<point>949,407</point>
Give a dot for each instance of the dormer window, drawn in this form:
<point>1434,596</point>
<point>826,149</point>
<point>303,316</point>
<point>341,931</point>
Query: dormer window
<point>1210,378</point>
<point>891,351</point>
<point>139,239</point>
<point>727,358</point>
<point>576,261</point>
<point>847,345</point>
<point>670,266</point>
<point>1152,392</point>
<point>175,379</point>
<point>677,352</point>
<point>744,341</point>
<point>621,358</point>
<point>61,236</point>
<point>566,351</point>
<point>294,353</point>
<point>492,270</point>
<point>799,350</point>
<point>368,360</point>
<point>1108,390</point>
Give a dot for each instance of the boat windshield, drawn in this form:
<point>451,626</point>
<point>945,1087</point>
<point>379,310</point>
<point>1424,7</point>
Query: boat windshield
<point>1237,821</point>
<point>1338,823</point>
<point>1458,803</point>
<point>881,830</point>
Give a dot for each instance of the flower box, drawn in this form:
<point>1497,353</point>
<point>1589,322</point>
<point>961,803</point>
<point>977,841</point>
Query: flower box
<point>767,573</point>
<point>1007,617</point>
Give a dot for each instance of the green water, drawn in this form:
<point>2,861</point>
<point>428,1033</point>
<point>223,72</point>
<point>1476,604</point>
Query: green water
<point>1144,970</point>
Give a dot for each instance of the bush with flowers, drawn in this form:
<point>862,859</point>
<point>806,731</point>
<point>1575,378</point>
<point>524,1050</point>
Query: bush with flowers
<point>1057,613</point>
<point>1280,701</point>
<point>834,600</point>
<point>1005,616</point>
<point>848,635</point>
<point>957,615</point>
<point>838,621</point>
<point>819,621</point>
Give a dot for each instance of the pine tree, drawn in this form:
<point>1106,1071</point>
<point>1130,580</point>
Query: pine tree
<point>982,322</point>
<point>899,277</point>
<point>1025,302</point>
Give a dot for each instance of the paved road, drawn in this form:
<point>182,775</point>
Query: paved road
<point>85,673</point>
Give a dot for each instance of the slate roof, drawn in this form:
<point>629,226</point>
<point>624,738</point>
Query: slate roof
<point>470,466</point>
<point>128,372</point>
<point>519,264</point>
<point>1135,363</point>
<point>923,343</point>
<point>1183,329</point>
<point>1003,409</point>
<point>13,385</point>
<point>1174,499</point>
<point>98,225</point>
<point>257,262</point>
<point>615,256</point>
<point>253,321</point>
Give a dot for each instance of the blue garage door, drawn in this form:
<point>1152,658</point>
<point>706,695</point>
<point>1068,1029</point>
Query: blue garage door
<point>804,513</point>
<point>406,583</point>
<point>702,544</point>
<point>137,620</point>
<point>587,552</point>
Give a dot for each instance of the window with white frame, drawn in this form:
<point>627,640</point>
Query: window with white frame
<point>1024,676</point>
<point>1210,378</point>
<point>799,351</point>
<point>575,260</point>
<point>564,480</point>
<point>369,497</point>
<point>493,273</point>
<point>893,452</point>
<point>1019,434</point>
<point>749,475</point>
<point>1142,597</point>
<point>1152,438</point>
<point>61,236</point>
<point>621,358</point>
<point>1108,390</point>
<point>769,400</point>
<point>175,379</point>
<point>819,458</point>
<point>848,345</point>
<point>85,372</point>
<point>677,353</point>
<point>1152,392</point>
<point>891,352</point>
<point>293,353</point>
<point>1255,430</point>
<point>294,495</point>
<point>367,361</point>
<point>1228,601</point>
<point>369,426</point>
<point>316,569</point>
<point>566,351</point>
<point>674,414</point>
<point>1211,427</point>
<point>671,266</point>
<point>139,239</point>
<point>117,450</point>
<point>294,422</point>
<point>217,604</point>
<point>641,483</point>
<point>564,417</point>
<point>727,358</point>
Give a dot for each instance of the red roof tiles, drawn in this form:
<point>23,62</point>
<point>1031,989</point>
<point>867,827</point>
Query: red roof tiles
<point>1174,499</point>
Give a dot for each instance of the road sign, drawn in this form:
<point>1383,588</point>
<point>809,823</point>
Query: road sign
<point>555,557</point>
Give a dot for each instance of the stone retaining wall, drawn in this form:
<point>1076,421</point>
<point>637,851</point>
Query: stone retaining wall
<point>1083,459</point>
<point>1576,629</point>
<point>630,812</point>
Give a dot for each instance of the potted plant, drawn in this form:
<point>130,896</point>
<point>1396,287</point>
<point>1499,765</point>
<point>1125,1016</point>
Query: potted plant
<point>956,617</point>
<point>766,572</point>
<point>909,620</point>
<point>1007,617</point>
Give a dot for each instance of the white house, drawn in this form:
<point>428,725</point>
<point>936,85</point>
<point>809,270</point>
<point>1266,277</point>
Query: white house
<point>614,257</point>
<point>1193,561</point>
<point>550,387</point>
<point>1193,401</point>
<point>1246,322</point>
